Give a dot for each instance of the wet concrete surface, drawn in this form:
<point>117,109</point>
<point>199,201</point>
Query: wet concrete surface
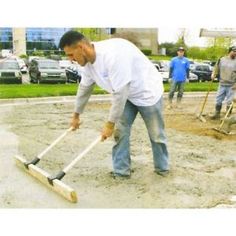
<point>202,162</point>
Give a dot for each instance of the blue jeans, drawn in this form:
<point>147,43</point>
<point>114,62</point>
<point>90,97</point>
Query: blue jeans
<point>222,93</point>
<point>152,116</point>
<point>179,86</point>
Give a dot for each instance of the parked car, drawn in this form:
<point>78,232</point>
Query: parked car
<point>192,78</point>
<point>191,64</point>
<point>22,65</point>
<point>46,71</point>
<point>165,65</point>
<point>73,73</point>
<point>203,71</point>
<point>157,64</point>
<point>65,64</point>
<point>165,76</point>
<point>5,53</point>
<point>10,72</point>
<point>164,71</point>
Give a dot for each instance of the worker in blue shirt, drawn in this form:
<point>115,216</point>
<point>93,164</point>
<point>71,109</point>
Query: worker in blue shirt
<point>179,71</point>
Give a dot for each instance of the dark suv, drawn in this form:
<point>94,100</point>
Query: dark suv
<point>203,71</point>
<point>46,71</point>
<point>10,72</point>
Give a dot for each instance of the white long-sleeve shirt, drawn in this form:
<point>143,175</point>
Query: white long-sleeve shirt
<point>123,70</point>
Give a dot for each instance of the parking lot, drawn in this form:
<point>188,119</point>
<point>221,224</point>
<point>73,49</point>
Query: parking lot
<point>14,70</point>
<point>43,70</point>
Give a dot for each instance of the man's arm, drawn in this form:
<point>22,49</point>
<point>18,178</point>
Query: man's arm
<point>188,69</point>
<point>170,72</point>
<point>82,98</point>
<point>118,103</point>
<point>171,68</point>
<point>188,72</point>
<point>216,70</point>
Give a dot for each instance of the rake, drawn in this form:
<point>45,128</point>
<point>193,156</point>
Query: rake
<point>200,116</point>
<point>223,121</point>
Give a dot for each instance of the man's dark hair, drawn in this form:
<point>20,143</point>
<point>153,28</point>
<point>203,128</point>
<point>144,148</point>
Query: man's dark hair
<point>232,48</point>
<point>69,38</point>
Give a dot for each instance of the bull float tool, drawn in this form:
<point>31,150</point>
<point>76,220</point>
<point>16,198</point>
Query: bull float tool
<point>223,121</point>
<point>40,156</point>
<point>54,182</point>
<point>200,115</point>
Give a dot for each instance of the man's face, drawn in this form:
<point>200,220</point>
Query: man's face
<point>233,54</point>
<point>180,53</point>
<point>76,53</point>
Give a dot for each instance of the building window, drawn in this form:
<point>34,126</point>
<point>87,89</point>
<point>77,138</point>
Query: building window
<point>45,39</point>
<point>6,38</point>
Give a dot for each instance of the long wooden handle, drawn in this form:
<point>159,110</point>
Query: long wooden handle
<point>226,115</point>
<point>82,154</point>
<point>54,143</point>
<point>205,100</point>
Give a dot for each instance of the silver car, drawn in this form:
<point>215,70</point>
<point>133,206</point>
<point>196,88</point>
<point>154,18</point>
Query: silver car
<point>46,71</point>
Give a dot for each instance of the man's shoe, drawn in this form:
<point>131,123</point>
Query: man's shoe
<point>163,173</point>
<point>119,176</point>
<point>216,116</point>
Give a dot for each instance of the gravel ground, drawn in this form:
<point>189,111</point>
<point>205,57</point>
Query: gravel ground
<point>203,162</point>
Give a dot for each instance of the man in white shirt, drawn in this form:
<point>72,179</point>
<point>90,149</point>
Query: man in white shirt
<point>120,68</point>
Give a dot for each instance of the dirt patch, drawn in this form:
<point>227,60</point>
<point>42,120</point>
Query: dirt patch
<point>202,161</point>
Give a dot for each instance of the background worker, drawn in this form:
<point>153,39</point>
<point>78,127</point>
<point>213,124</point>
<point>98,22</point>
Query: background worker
<point>226,69</point>
<point>179,71</point>
<point>120,68</point>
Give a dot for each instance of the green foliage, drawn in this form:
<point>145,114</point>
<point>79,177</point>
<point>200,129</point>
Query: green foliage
<point>38,53</point>
<point>217,47</point>
<point>93,34</point>
<point>159,57</point>
<point>171,48</point>
<point>23,56</point>
<point>147,52</point>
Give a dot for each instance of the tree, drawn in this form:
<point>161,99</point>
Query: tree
<point>218,47</point>
<point>170,48</point>
<point>93,34</point>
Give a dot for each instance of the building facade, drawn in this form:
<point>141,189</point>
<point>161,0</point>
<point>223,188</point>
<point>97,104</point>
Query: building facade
<point>6,38</point>
<point>28,40</point>
<point>146,37</point>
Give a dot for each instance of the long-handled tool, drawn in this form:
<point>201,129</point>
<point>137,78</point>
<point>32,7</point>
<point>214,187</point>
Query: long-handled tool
<point>223,121</point>
<point>39,156</point>
<point>54,182</point>
<point>63,172</point>
<point>200,116</point>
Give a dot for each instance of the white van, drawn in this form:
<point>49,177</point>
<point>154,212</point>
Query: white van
<point>6,53</point>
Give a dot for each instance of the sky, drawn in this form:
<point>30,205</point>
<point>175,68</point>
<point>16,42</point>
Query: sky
<point>166,34</point>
